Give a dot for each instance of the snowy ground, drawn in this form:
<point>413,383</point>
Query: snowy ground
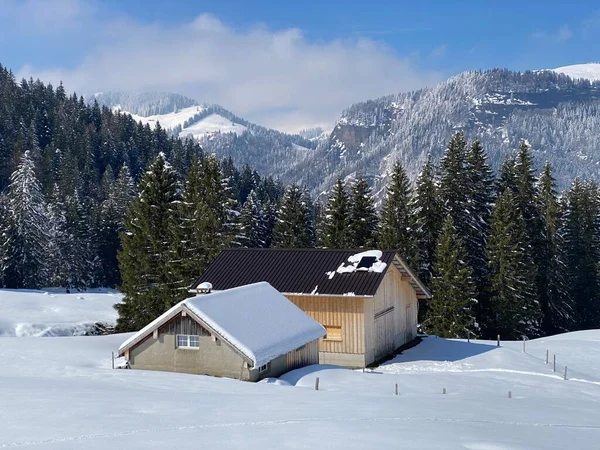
<point>60,393</point>
<point>52,312</point>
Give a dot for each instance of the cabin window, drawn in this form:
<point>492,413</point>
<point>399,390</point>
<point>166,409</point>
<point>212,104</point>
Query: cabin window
<point>188,341</point>
<point>333,333</point>
<point>264,367</point>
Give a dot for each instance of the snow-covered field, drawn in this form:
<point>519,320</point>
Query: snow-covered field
<point>60,393</point>
<point>213,123</point>
<point>52,312</point>
<point>590,71</point>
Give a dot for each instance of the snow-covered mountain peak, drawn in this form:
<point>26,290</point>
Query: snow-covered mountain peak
<point>590,71</point>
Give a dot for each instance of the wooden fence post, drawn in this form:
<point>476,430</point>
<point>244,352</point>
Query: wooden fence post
<point>509,394</point>
<point>444,391</point>
<point>112,359</point>
<point>498,342</point>
<point>523,345</point>
<point>396,388</point>
<point>565,372</point>
<point>554,370</point>
<point>547,353</point>
<point>317,384</point>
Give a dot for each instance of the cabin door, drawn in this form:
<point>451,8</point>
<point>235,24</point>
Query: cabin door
<point>408,335</point>
<point>384,335</point>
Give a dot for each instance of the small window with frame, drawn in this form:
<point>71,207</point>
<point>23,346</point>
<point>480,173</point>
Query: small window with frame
<point>188,341</point>
<point>333,333</point>
<point>264,368</point>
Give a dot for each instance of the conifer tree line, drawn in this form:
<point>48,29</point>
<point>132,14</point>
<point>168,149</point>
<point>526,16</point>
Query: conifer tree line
<point>89,197</point>
<point>68,175</point>
<point>502,254</point>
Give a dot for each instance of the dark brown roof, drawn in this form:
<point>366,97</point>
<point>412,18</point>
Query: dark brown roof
<point>294,271</point>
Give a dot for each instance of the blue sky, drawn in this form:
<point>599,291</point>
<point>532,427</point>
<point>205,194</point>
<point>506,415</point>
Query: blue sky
<point>287,64</point>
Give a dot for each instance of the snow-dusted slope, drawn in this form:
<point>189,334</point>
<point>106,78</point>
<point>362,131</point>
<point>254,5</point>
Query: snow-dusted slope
<point>589,71</point>
<point>60,393</point>
<point>168,121</point>
<point>191,122</point>
<point>54,313</point>
<point>212,124</point>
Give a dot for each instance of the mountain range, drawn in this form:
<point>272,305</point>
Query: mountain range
<point>556,111</point>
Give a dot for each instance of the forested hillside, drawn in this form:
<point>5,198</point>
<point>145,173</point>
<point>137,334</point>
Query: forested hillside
<point>218,130</point>
<point>559,117</point>
<point>92,198</point>
<point>68,172</point>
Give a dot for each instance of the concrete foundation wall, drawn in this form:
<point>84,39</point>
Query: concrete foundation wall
<point>350,360</point>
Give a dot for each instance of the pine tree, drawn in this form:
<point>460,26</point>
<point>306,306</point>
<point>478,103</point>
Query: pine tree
<point>451,308</point>
<point>206,222</point>
<point>526,197</point>
<point>293,228</point>
<point>427,219</point>
<point>454,181</point>
<point>513,309</point>
<point>395,230</point>
<point>579,248</point>
<point>507,177</point>
<point>481,196</point>
<point>26,230</point>
<point>120,194</point>
<point>146,259</point>
<point>557,310</point>
<point>363,217</point>
<point>253,223</point>
<point>335,228</point>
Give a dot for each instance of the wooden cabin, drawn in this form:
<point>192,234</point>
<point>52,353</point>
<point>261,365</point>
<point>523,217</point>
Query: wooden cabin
<point>248,332</point>
<point>367,302</point>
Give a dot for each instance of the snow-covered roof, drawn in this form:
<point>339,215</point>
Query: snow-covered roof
<point>256,319</point>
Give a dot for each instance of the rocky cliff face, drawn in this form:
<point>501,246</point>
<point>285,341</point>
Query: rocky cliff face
<point>558,116</point>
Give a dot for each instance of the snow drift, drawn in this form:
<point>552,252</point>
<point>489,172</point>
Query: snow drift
<point>52,313</point>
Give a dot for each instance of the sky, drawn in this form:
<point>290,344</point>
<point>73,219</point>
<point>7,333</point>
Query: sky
<point>287,65</point>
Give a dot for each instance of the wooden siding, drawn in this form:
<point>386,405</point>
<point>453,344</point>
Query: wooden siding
<point>390,316</point>
<point>347,312</point>
<point>304,356</point>
<point>183,325</point>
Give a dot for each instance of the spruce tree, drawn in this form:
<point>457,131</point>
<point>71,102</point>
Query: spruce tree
<point>481,191</point>
<point>526,197</point>
<point>205,218</point>
<point>427,219</point>
<point>120,194</point>
<point>513,309</point>
<point>26,230</point>
<point>293,227</point>
<point>579,248</point>
<point>556,310</point>
<point>450,311</point>
<point>395,230</point>
<point>335,227</point>
<point>454,181</point>
<point>146,259</point>
<point>253,223</point>
<point>363,217</point>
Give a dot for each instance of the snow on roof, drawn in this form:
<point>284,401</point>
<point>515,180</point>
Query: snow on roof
<point>256,319</point>
<point>376,265</point>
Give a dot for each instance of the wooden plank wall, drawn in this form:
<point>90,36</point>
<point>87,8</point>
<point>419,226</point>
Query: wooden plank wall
<point>309,354</point>
<point>395,292</point>
<point>183,325</point>
<point>347,312</point>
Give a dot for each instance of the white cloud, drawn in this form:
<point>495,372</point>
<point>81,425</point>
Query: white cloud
<point>563,34</point>
<point>276,78</point>
<point>45,16</point>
